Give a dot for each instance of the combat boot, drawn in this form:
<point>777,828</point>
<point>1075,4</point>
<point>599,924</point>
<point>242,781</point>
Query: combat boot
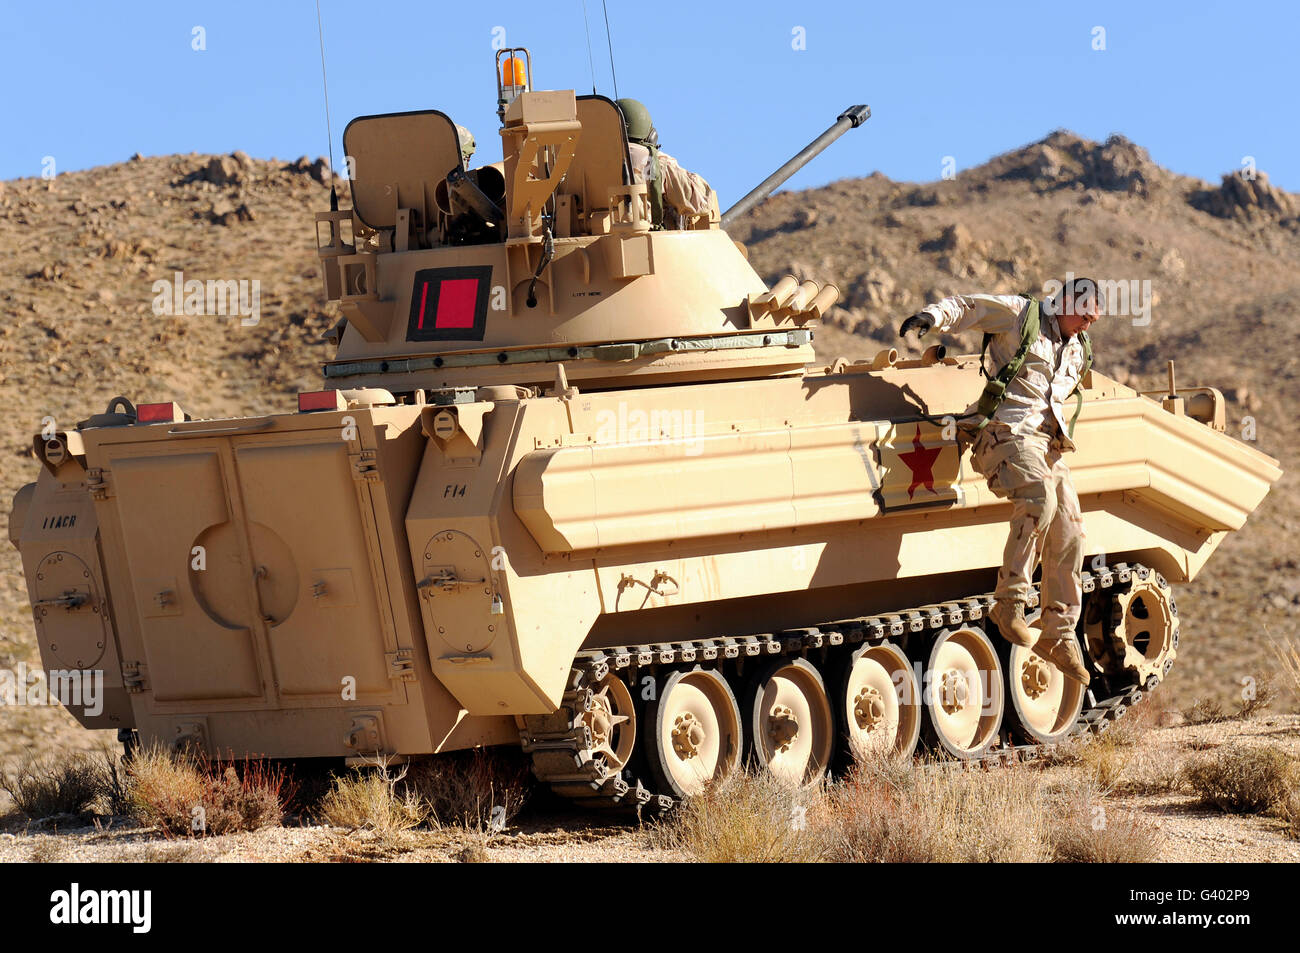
<point>1064,654</point>
<point>1009,616</point>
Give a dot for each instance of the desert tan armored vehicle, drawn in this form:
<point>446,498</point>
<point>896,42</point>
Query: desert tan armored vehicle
<point>573,485</point>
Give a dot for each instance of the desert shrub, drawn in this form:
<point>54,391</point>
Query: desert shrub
<point>371,799</point>
<point>48,850</point>
<point>482,789</point>
<point>1287,651</point>
<point>190,794</point>
<point>1243,780</point>
<point>1085,830</point>
<point>56,784</point>
<point>1105,761</point>
<point>1149,770</point>
<point>1136,723</point>
<point>890,811</point>
<point>940,814</point>
<point>163,788</point>
<point>1206,711</point>
<point>247,797</point>
<point>747,817</point>
<point>1287,809</point>
<point>1260,699</point>
<point>116,786</point>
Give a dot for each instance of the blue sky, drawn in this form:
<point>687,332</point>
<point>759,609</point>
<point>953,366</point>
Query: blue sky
<point>1200,85</point>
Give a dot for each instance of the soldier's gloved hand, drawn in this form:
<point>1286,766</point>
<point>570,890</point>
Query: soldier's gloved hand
<point>921,322</point>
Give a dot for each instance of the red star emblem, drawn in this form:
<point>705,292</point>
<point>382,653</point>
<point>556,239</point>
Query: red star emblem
<point>921,462</point>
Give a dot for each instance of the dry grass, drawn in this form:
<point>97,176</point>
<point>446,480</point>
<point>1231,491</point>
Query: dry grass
<point>189,794</point>
<point>48,850</point>
<point>1287,810</point>
<point>479,789</point>
<point>749,817</point>
<point>1123,769</point>
<point>887,813</point>
<point>371,799</point>
<point>1206,711</point>
<point>1123,760</point>
<point>899,812</point>
<point>1259,698</point>
<point>1244,780</point>
<point>1211,711</point>
<point>183,852</point>
<point>476,851</point>
<point>1150,770</point>
<point>1105,762</point>
<point>364,846</point>
<point>1085,830</point>
<point>55,785</point>
<point>163,788</point>
<point>1287,652</point>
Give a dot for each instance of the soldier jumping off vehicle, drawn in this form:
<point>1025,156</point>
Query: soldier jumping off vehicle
<point>1017,434</point>
<point>686,194</point>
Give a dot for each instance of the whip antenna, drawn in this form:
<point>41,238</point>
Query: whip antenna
<point>586,22</point>
<point>610,40</point>
<point>329,134</point>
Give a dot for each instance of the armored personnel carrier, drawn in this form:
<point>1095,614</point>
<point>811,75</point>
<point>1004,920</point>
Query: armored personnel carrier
<point>573,484</point>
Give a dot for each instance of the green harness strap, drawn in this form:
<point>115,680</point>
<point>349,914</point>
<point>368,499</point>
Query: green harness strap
<point>655,188</point>
<point>995,391</point>
<point>1078,388</point>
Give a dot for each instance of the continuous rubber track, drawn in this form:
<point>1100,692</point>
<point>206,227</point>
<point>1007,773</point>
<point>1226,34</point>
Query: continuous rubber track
<point>562,746</point>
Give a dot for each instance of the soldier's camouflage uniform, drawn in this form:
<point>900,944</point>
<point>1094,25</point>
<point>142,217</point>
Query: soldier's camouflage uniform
<point>1019,452</point>
<point>686,194</point>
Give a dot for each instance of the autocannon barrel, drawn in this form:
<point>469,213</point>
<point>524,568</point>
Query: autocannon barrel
<point>851,118</point>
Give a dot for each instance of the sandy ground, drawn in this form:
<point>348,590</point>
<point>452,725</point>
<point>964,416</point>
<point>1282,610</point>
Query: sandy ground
<point>557,834</point>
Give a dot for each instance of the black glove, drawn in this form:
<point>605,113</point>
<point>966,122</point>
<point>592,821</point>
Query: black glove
<point>921,323</point>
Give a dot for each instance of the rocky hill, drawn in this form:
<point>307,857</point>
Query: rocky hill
<point>1221,263</point>
<point>1218,266</point>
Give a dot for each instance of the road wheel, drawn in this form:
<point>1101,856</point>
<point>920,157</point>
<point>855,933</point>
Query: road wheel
<point>789,722</point>
<point>693,733</point>
<point>1044,704</point>
<point>963,695</point>
<point>878,704</point>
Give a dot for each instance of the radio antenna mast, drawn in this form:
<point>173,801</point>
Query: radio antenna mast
<point>329,134</point>
<point>586,22</point>
<point>610,40</point>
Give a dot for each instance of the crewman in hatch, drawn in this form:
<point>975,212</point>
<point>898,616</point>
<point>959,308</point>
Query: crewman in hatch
<point>677,196</point>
